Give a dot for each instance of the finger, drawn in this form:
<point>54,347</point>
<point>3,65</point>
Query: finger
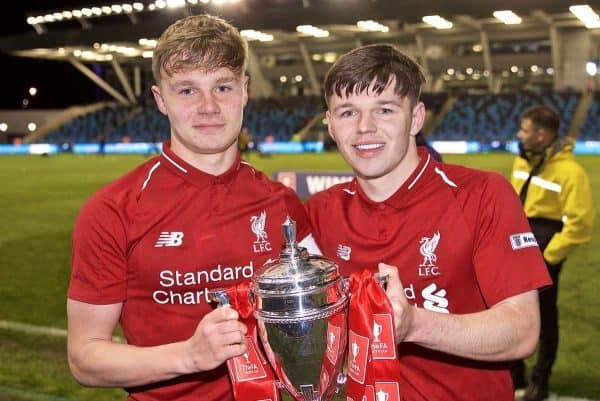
<point>394,286</point>
<point>222,352</point>
<point>236,350</point>
<point>222,314</point>
<point>234,337</point>
<point>231,326</point>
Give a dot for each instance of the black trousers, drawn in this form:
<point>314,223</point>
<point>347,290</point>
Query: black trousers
<point>548,344</point>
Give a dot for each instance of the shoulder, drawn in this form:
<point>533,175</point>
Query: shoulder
<point>520,162</point>
<point>567,164</point>
<point>332,195</point>
<point>478,192</point>
<point>467,179</point>
<point>564,169</point>
<point>258,181</point>
<point>113,197</point>
<point>257,184</point>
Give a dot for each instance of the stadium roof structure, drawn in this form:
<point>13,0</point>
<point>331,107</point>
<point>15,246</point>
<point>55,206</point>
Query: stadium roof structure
<point>293,41</point>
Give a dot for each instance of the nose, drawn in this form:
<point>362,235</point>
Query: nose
<point>207,104</point>
<point>366,123</point>
<point>519,134</point>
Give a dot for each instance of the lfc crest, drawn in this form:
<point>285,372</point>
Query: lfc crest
<point>428,246</point>
<point>257,224</point>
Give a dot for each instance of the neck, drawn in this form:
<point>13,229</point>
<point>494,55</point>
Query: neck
<point>381,188</point>
<point>376,189</point>
<point>210,163</point>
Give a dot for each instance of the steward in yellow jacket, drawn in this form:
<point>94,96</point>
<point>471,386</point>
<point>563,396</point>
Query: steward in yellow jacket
<point>558,194</point>
<point>557,198</point>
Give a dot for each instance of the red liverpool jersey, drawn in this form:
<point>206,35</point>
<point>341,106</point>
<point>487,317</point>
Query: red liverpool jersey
<point>162,236</point>
<point>461,242</point>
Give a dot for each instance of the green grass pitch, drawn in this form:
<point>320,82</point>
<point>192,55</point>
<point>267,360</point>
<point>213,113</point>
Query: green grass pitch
<point>40,197</point>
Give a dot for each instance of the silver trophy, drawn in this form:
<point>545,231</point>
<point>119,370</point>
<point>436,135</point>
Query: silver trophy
<point>300,303</point>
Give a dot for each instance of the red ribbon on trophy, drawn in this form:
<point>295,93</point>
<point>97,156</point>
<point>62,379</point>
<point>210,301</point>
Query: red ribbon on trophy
<point>251,375</point>
<point>373,364</point>
<point>372,355</point>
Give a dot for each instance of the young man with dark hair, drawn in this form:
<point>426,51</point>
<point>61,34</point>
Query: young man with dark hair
<point>464,292</point>
<point>149,247</point>
<point>557,198</point>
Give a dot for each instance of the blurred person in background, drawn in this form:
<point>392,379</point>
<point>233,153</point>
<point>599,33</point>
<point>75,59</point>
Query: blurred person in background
<point>148,247</point>
<point>465,290</point>
<point>155,145</point>
<point>102,145</point>
<point>245,142</point>
<point>556,195</point>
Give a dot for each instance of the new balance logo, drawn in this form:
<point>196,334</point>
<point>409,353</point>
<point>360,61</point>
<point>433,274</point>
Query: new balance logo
<point>169,238</point>
<point>343,252</point>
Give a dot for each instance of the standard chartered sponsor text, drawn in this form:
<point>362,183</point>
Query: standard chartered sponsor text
<point>175,285</point>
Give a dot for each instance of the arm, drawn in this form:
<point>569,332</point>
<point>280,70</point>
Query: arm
<point>508,330</point>
<point>96,360</point>
<point>577,207</point>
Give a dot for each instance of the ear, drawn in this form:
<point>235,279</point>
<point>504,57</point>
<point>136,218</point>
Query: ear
<point>329,129</point>
<point>245,80</point>
<point>418,118</point>
<point>160,102</point>
<point>541,134</point>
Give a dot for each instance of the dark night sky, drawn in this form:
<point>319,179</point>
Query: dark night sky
<point>59,84</point>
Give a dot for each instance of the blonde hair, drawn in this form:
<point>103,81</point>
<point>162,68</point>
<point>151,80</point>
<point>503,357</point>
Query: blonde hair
<point>202,42</point>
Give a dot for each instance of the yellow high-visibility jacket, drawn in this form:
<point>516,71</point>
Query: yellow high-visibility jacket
<point>560,191</point>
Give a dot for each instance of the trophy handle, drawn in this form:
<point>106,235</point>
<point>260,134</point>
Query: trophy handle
<point>219,296</point>
<point>252,298</point>
<point>382,279</point>
<point>340,382</point>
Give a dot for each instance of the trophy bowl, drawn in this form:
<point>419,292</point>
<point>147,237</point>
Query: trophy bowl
<point>300,304</point>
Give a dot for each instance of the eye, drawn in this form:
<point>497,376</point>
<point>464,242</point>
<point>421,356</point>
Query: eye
<point>223,88</point>
<point>186,91</point>
<point>347,113</point>
<point>385,110</point>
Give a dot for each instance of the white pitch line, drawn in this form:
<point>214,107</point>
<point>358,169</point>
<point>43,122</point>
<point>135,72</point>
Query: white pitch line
<point>42,330</point>
<point>32,329</point>
<point>53,331</point>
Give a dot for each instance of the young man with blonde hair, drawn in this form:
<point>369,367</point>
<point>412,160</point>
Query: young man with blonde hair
<point>149,247</point>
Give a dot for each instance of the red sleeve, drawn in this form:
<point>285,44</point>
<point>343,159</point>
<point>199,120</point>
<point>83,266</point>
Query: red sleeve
<point>500,255</point>
<point>98,260</point>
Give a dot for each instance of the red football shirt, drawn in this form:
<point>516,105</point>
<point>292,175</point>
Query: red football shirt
<point>160,237</point>
<point>461,242</point>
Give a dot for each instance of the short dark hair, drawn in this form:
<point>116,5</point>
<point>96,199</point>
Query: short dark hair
<point>201,42</point>
<point>355,71</point>
<point>543,116</point>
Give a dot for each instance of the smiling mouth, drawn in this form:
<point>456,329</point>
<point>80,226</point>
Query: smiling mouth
<point>369,146</point>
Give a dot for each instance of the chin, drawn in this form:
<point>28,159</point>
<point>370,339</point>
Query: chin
<point>368,174</point>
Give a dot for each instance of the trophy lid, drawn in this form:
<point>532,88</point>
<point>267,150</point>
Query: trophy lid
<point>298,286</point>
<point>296,270</point>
